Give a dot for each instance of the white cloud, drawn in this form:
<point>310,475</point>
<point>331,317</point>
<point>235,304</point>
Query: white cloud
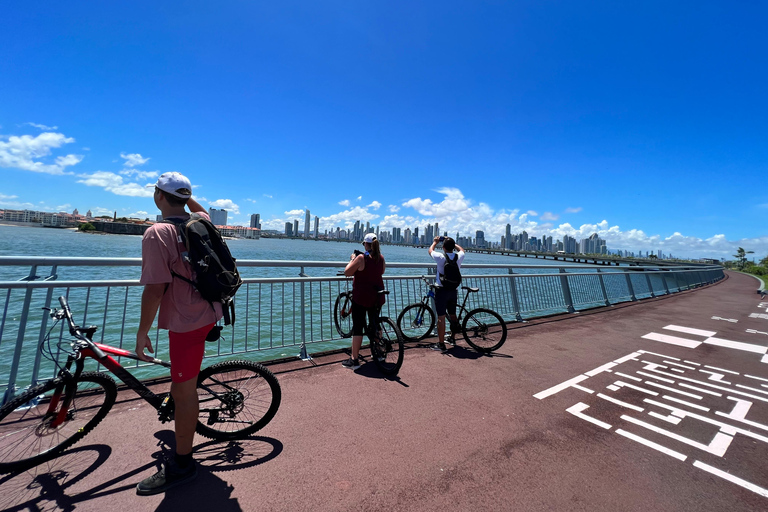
<point>140,175</point>
<point>25,152</point>
<point>393,208</point>
<point>141,214</point>
<point>532,213</point>
<point>375,205</point>
<point>293,213</point>
<point>251,200</point>
<point>267,195</point>
<point>114,183</point>
<point>345,202</point>
<point>64,207</point>
<point>226,204</point>
<point>43,127</point>
<point>4,197</point>
<point>133,159</point>
<point>359,198</point>
<point>549,216</point>
<point>573,210</point>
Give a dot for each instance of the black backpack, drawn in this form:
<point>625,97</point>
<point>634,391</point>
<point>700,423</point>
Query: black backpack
<point>451,276</point>
<point>215,272</point>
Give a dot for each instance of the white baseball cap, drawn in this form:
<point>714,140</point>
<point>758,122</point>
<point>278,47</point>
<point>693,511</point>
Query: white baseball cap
<point>369,238</point>
<point>175,184</point>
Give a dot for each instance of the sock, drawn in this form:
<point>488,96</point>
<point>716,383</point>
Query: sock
<point>183,461</point>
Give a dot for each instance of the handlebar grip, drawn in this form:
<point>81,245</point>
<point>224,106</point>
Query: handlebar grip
<point>68,314</point>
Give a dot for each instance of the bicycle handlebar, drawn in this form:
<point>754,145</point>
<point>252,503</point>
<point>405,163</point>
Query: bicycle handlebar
<point>75,330</point>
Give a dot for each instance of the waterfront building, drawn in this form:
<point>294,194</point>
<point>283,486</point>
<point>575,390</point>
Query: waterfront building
<point>256,220</point>
<point>288,229</point>
<point>218,216</point>
<point>480,239</point>
<point>317,226</point>
<point>306,223</point>
<point>296,227</point>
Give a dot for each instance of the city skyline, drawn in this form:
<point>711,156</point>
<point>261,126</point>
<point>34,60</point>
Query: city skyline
<point>640,123</point>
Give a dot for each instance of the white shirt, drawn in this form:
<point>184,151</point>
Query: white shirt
<point>440,260</point>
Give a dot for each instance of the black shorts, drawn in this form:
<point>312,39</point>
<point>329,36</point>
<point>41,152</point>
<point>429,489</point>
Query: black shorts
<point>445,301</point>
<point>358,317</point>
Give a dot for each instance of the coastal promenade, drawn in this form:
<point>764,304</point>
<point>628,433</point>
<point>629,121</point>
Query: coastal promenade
<point>656,405</point>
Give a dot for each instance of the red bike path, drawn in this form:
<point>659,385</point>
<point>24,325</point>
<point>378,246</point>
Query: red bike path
<point>563,417</point>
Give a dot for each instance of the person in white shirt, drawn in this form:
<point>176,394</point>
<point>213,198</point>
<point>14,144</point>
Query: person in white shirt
<point>445,299</point>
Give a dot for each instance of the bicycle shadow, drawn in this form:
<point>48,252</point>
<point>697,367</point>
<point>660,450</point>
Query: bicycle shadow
<point>45,487</point>
<point>371,371</point>
<point>461,352</point>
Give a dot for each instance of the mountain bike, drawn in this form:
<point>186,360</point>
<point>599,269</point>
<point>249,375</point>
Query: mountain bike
<point>483,329</point>
<point>236,398</point>
<point>386,341</point>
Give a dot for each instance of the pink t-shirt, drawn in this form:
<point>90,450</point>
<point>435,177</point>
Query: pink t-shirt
<point>182,308</point>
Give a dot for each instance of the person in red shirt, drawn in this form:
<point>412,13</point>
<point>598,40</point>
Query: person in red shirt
<point>184,313</point>
<point>367,268</point>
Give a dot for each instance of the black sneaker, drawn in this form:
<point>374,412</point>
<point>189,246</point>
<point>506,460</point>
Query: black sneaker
<point>170,475</point>
<point>439,347</point>
<point>352,364</point>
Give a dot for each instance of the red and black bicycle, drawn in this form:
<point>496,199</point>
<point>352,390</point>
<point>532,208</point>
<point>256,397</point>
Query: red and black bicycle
<point>237,398</point>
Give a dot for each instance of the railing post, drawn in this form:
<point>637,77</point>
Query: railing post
<point>648,280</point>
<point>566,291</point>
<point>11,390</point>
<point>664,281</point>
<point>602,287</point>
<point>303,352</point>
<point>630,287</point>
<point>43,326</point>
<point>515,303</point>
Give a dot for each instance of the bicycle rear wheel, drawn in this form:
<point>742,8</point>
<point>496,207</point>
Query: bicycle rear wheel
<point>237,398</point>
<point>387,347</point>
<point>416,322</point>
<point>342,314</point>
<point>28,436</point>
<point>484,330</point>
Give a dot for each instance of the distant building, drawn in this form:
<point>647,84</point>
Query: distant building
<point>256,221</point>
<point>317,225</point>
<point>288,229</point>
<point>218,217</point>
<point>296,228</point>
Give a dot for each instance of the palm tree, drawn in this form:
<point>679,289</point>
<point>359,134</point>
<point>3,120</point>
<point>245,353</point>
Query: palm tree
<point>741,257</point>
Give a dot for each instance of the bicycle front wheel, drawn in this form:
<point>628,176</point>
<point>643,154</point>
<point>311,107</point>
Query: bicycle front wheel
<point>237,398</point>
<point>32,431</point>
<point>484,330</point>
<point>387,347</point>
<point>416,322</point>
<point>342,314</point>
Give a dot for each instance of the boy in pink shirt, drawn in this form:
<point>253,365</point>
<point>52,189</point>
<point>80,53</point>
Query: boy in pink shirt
<point>184,313</point>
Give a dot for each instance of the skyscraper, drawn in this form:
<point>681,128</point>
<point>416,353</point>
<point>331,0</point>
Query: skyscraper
<point>306,224</point>
<point>296,228</point>
<point>218,217</point>
<point>288,229</point>
<point>508,237</point>
<point>480,238</point>
<point>256,220</point>
<point>317,225</point>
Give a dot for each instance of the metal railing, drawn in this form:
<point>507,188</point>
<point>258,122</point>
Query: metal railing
<point>279,317</point>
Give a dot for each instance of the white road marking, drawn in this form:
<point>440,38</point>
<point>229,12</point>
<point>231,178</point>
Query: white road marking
<point>718,446</point>
<point>582,388</point>
<point>673,390</point>
<point>684,385</point>
<point>671,418</point>
<point>752,331</point>
<point>660,355</point>
<point>764,359</point>
<point>680,365</point>
<point>656,377</point>
<point>732,320</point>
<point>619,383</point>
<point>737,345</point>
<point>613,387</point>
<point>673,399</point>
<point>577,409</point>
<point>627,358</point>
<point>758,315</point>
<point>713,386</point>
<point>720,369</point>
<point>751,389</point>
<point>651,444</point>
<point>691,362</point>
<point>556,389</point>
<point>672,340</point>
<point>733,479</point>
<point>739,411</point>
<point>619,402</point>
<point>600,369</point>
<point>688,330</point>
<point>717,377</point>
<point>628,376</point>
<point>678,370</point>
<point>757,378</point>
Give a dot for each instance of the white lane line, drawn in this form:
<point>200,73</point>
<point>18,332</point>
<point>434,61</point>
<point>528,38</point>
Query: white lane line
<point>673,390</point>
<point>600,369</point>
<point>757,378</point>
<point>613,387</point>
<point>655,365</point>
<point>713,386</point>
<point>751,389</point>
<point>721,369</point>
<point>655,377</point>
<point>582,388</point>
<point>660,355</point>
<point>563,385</point>
<point>681,365</point>
<point>718,446</point>
<point>670,419</point>
<point>627,376</point>
<point>688,330</point>
<point>673,399</point>
<point>736,345</point>
<point>691,362</point>
<point>672,340</point>
<point>733,479</point>
<point>724,427</point>
<point>619,402</point>
<point>577,409</point>
<point>717,377</point>
<point>627,358</point>
<point>619,383</point>
<point>651,444</point>
<point>678,370</point>
<point>708,392</point>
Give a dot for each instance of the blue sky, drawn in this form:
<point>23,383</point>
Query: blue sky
<point>642,121</point>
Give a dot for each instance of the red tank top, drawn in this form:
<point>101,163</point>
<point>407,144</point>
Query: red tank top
<point>367,283</point>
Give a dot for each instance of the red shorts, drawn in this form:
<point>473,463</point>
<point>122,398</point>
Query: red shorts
<point>187,350</point>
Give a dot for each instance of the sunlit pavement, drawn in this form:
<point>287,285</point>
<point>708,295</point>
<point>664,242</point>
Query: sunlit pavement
<point>658,405</point>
